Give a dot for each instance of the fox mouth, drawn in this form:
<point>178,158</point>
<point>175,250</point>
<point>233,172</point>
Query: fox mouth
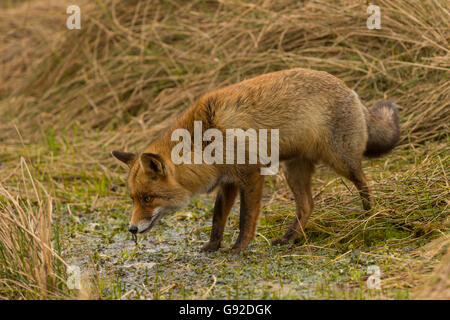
<point>146,225</point>
<point>160,212</point>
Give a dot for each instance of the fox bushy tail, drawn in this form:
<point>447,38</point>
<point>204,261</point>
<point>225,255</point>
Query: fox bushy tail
<point>383,129</point>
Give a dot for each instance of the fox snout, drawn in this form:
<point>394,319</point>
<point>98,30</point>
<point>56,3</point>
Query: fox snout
<point>141,227</point>
<point>133,229</point>
<point>145,224</point>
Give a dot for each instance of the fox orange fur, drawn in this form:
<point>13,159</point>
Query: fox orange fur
<point>319,119</point>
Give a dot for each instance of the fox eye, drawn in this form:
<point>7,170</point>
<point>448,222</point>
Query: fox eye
<point>147,199</point>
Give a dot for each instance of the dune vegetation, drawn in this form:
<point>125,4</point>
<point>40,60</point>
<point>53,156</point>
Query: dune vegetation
<point>70,97</point>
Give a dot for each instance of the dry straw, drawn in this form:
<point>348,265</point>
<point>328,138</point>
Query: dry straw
<point>29,266</point>
<point>135,64</point>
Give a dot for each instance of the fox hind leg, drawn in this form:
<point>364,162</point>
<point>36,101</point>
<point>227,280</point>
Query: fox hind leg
<point>298,173</point>
<point>351,169</point>
<point>359,180</point>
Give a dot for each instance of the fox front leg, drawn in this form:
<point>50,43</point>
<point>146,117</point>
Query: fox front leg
<point>251,193</point>
<point>224,202</point>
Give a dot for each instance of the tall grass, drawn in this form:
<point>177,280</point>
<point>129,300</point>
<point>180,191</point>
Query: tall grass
<point>30,268</point>
<point>135,64</point>
<point>438,283</point>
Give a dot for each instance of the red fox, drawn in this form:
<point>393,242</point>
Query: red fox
<point>318,119</point>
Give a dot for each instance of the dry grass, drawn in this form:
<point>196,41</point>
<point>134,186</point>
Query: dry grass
<point>438,283</point>
<point>76,95</point>
<point>137,63</point>
<point>29,266</point>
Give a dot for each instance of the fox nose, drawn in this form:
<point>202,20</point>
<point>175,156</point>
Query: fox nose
<point>133,229</point>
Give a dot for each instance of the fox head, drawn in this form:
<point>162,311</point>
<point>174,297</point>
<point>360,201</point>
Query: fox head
<point>153,189</point>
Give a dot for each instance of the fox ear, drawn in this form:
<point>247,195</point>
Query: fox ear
<point>125,157</point>
<point>153,164</point>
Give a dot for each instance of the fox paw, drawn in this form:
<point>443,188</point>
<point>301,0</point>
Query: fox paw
<point>280,241</point>
<point>211,246</point>
<point>232,250</point>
